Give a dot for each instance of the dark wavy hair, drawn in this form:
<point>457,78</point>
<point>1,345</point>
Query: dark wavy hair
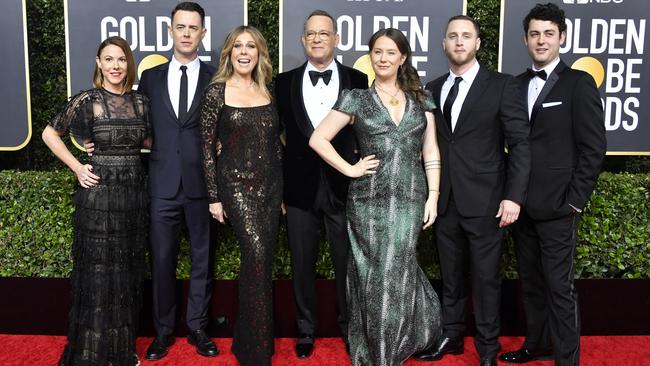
<point>407,76</point>
<point>548,11</point>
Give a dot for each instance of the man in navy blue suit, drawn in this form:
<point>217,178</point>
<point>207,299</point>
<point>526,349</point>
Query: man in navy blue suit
<point>176,185</point>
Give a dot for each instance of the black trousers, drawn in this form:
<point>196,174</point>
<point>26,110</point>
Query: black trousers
<point>470,245</point>
<point>167,218</point>
<point>304,233</point>
<point>545,255</point>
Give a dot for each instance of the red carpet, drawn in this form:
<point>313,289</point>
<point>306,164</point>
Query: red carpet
<point>19,350</point>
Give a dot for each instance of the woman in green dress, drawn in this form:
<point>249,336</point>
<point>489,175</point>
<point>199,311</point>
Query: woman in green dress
<point>394,310</point>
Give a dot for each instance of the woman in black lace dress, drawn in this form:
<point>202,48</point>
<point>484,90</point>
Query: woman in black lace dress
<point>110,219</point>
<point>245,180</point>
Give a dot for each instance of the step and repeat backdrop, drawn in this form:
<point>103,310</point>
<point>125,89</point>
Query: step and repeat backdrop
<point>16,121</point>
<point>422,21</point>
<point>142,23</point>
<point>606,38</point>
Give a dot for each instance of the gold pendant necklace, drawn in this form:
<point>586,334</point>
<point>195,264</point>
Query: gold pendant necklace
<point>393,97</point>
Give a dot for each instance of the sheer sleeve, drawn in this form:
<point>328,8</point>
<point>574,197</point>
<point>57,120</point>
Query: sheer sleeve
<point>211,105</point>
<point>143,106</point>
<point>76,116</point>
<point>428,104</point>
<point>348,101</point>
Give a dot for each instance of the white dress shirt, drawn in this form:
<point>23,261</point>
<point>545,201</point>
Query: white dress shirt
<point>320,98</point>
<point>174,81</point>
<point>463,89</point>
<point>536,85</point>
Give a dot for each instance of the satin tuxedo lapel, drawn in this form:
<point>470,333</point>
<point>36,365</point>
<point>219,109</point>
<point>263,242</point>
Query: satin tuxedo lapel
<point>550,82</point>
<point>473,95</point>
<point>204,80</point>
<point>299,111</point>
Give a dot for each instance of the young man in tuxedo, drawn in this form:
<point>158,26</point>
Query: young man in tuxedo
<point>315,193</point>
<point>568,145</point>
<point>481,188</point>
<point>176,185</point>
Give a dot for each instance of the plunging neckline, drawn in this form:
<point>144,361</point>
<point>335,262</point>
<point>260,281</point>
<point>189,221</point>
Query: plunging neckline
<point>387,111</point>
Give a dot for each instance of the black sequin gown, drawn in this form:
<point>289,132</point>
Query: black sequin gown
<point>247,179</point>
<point>110,228</point>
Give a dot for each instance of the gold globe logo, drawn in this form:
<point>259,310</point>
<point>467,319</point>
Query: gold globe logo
<point>364,65</point>
<point>149,62</point>
<point>591,66</point>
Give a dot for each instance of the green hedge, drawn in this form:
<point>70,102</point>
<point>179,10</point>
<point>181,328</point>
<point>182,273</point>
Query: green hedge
<point>36,233</point>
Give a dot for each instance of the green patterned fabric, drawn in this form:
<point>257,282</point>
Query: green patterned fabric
<point>394,311</point>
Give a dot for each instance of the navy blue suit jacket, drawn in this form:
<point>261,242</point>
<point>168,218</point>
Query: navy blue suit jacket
<point>176,150</point>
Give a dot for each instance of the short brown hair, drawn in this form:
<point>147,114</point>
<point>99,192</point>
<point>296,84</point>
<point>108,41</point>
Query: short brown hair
<point>98,77</point>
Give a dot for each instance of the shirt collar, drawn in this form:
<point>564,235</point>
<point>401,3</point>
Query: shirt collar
<point>331,66</point>
<point>468,76</point>
<point>550,67</point>
<point>192,66</point>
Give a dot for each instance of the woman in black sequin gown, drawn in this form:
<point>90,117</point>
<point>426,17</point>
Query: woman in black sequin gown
<point>110,219</point>
<point>245,180</point>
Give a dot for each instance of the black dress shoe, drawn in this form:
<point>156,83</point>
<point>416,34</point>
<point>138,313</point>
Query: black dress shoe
<point>524,355</point>
<point>304,346</point>
<point>159,347</point>
<point>445,345</point>
<point>203,343</point>
<point>488,361</point>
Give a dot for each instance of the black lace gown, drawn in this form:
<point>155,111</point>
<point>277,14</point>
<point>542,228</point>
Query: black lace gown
<point>247,179</point>
<point>110,228</point>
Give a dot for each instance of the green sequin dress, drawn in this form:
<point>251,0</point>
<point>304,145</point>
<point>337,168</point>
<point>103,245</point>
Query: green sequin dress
<point>394,310</point>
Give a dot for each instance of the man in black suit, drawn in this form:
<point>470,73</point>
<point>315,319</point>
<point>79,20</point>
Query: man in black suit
<point>176,185</point>
<point>568,145</point>
<point>314,192</point>
<point>481,187</point>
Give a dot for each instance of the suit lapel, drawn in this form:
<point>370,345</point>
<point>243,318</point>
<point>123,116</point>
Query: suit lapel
<point>477,88</point>
<point>165,91</point>
<point>436,90</point>
<point>525,81</point>
<point>344,78</point>
<point>550,82</point>
<point>203,81</point>
<point>298,105</point>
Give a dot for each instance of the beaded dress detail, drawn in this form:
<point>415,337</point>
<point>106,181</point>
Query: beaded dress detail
<point>394,310</point>
<point>247,179</point>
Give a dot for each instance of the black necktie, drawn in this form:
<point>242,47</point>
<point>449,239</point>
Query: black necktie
<point>449,102</point>
<point>182,96</point>
<point>540,74</point>
<point>315,75</point>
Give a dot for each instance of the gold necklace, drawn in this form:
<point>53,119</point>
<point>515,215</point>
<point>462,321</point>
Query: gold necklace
<point>393,97</point>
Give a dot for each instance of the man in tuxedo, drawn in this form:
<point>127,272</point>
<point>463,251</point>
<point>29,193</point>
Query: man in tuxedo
<point>567,140</point>
<point>481,187</point>
<point>176,185</point>
<point>314,192</point>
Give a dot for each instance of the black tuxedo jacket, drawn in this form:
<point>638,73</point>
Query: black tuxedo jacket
<point>176,150</point>
<point>567,141</point>
<point>475,165</point>
<point>304,170</point>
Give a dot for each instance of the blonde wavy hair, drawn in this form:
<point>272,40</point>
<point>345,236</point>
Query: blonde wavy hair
<point>263,70</point>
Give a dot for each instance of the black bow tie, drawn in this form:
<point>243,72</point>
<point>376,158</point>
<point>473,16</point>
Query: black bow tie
<point>315,75</point>
<point>540,74</point>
